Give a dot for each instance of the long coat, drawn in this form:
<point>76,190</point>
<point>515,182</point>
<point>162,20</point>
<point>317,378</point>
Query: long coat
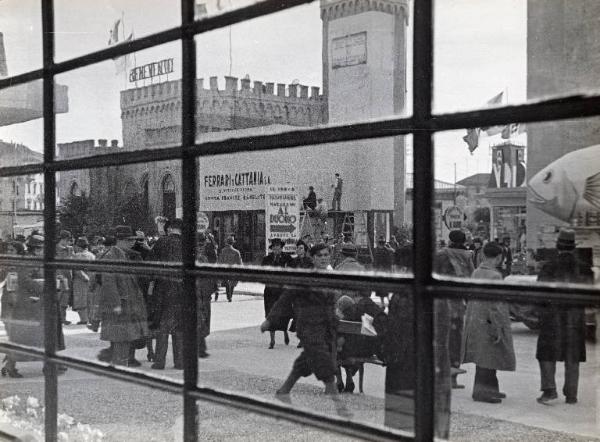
<point>272,293</point>
<point>120,290</point>
<point>485,323</point>
<point>562,328</point>
<point>231,256</point>
<point>81,282</point>
<point>24,316</point>
<point>167,299</point>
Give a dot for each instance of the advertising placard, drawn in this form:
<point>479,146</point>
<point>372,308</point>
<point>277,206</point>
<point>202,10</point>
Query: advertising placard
<point>282,215</point>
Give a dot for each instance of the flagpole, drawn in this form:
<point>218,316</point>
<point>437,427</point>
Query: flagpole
<point>230,55</point>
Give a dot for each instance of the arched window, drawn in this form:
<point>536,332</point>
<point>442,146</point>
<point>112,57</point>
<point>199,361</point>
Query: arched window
<point>168,194</point>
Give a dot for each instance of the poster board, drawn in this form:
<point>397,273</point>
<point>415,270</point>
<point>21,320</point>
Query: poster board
<point>282,215</point>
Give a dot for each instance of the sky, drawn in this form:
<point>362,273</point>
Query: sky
<point>479,51</point>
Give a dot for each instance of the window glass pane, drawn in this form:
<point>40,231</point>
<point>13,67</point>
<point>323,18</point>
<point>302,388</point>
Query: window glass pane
<point>21,122</point>
<point>22,299</point>
<point>500,357</point>
<point>22,397</point>
<point>116,318</point>
<point>339,193</point>
<point>217,422</point>
<point>349,65</point>
<point>294,353</point>
<point>124,205</point>
<point>93,25</point>
<point>509,52</point>
<point>21,206</point>
<point>21,37</point>
<point>89,404</point>
<point>531,189</point>
<point>130,103</point>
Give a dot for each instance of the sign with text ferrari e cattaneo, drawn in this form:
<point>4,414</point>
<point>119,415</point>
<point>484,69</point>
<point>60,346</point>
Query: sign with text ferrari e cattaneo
<point>282,215</point>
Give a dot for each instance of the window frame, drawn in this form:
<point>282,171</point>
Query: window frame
<point>422,124</point>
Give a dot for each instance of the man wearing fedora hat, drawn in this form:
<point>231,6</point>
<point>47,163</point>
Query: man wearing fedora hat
<point>272,293</point>
<point>562,327</point>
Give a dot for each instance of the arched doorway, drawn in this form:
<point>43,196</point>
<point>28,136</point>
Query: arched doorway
<point>168,194</point>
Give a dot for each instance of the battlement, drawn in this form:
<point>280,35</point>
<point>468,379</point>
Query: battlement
<point>233,87</point>
<point>240,104</point>
<point>332,9</point>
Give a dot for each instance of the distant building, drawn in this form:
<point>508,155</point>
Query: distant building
<point>231,187</point>
<point>21,197</point>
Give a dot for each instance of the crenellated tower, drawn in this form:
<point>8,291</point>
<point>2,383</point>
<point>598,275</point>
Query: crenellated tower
<point>364,76</point>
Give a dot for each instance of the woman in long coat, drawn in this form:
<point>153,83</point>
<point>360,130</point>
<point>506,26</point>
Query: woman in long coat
<point>122,308</point>
<point>487,337</point>
<point>272,293</point>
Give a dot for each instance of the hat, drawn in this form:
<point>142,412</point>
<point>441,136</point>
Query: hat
<point>35,241</point>
<point>457,237</point>
<point>65,234</point>
<point>346,304</point>
<point>349,249</point>
<point>276,242</point>
<point>82,242</point>
<point>566,239</point>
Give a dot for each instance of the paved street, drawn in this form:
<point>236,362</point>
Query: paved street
<point>241,362</point>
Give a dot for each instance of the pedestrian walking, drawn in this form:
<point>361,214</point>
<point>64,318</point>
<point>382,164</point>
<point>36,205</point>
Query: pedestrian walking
<point>168,300</point>
<point>231,256</point>
<point>81,280</point>
<point>487,338</point>
<point>383,260</point>
<point>316,328</point>
<point>272,293</point>
<point>562,327</point>
<point>64,250</point>
<point>455,260</point>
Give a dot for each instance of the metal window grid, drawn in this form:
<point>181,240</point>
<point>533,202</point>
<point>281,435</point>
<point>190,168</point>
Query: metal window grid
<point>422,124</point>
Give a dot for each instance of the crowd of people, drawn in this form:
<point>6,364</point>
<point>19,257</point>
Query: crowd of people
<point>137,312</point>
<point>129,312</point>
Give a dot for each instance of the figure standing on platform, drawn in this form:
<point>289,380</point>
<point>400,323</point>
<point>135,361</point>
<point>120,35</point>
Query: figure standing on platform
<point>310,202</point>
<point>337,193</point>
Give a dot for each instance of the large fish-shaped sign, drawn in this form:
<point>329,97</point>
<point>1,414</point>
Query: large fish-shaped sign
<point>569,185</point>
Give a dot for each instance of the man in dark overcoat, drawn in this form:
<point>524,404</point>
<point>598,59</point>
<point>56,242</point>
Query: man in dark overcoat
<point>168,300</point>
<point>562,327</point>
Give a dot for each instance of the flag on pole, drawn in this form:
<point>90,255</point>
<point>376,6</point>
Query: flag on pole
<point>121,63</point>
<point>472,138</point>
